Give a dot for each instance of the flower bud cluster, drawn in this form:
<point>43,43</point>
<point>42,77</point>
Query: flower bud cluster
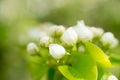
<point>57,38</point>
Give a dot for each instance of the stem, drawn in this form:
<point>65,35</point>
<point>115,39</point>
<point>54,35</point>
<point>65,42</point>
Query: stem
<point>51,73</point>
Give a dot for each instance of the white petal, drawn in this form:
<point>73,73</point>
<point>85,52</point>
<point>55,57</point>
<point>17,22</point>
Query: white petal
<point>56,30</point>
<point>32,48</point>
<point>69,37</point>
<point>96,31</point>
<point>114,43</point>
<point>81,23</point>
<point>109,39</point>
<point>45,41</point>
<point>56,51</point>
<point>81,49</point>
<point>84,34</point>
<point>33,33</point>
<point>112,77</point>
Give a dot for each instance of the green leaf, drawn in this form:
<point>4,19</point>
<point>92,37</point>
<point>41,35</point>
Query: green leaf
<point>51,74</point>
<point>37,67</point>
<point>84,68</point>
<point>98,55</point>
<point>65,71</point>
<point>100,73</point>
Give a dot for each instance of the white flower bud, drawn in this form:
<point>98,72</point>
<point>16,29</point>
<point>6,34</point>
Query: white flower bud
<point>33,33</point>
<point>115,43</point>
<point>81,49</point>
<point>84,34</point>
<point>81,23</point>
<point>45,41</point>
<point>109,77</point>
<point>42,34</point>
<point>112,77</point>
<point>32,48</point>
<point>56,51</point>
<point>69,37</point>
<point>56,30</point>
<point>109,39</point>
<point>97,32</point>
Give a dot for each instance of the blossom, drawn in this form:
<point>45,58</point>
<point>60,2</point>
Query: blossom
<point>81,49</point>
<point>56,51</point>
<point>84,34</point>
<point>56,30</point>
<point>112,77</point>
<point>32,48</point>
<point>33,33</point>
<point>69,37</point>
<point>109,39</point>
<point>97,32</point>
<point>42,34</point>
<point>45,41</point>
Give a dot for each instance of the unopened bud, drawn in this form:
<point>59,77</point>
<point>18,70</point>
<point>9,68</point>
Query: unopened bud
<point>84,34</point>
<point>109,77</point>
<point>45,41</point>
<point>81,49</point>
<point>69,37</point>
<point>109,39</point>
<point>112,77</point>
<point>33,33</point>
<point>32,48</point>
<point>115,43</point>
<point>56,30</point>
<point>42,34</point>
<point>56,51</point>
<point>97,32</point>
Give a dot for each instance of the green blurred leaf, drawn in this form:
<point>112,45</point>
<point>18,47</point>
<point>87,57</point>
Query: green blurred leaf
<point>65,71</point>
<point>115,56</point>
<point>84,68</point>
<point>98,55</point>
<point>100,73</point>
<point>51,74</point>
<point>37,67</point>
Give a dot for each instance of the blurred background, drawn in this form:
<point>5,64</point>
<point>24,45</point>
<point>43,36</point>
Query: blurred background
<point>18,17</point>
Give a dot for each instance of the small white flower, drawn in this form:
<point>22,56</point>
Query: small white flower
<point>56,30</point>
<point>33,33</point>
<point>97,32</point>
<point>81,49</point>
<point>115,43</point>
<point>56,51</point>
<point>84,34</point>
<point>112,77</point>
<point>42,34</point>
<point>32,48</point>
<point>69,37</point>
<point>81,23</point>
<point>45,41</point>
<point>109,39</point>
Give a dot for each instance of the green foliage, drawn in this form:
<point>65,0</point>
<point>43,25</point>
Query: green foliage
<point>80,66</point>
<point>37,67</point>
<point>98,55</point>
<point>84,68</point>
<point>65,71</point>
